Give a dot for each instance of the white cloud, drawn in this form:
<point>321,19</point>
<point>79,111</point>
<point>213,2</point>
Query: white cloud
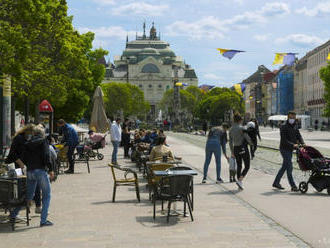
<point>261,37</point>
<point>301,40</point>
<point>108,32</point>
<point>141,8</point>
<point>212,27</point>
<point>100,43</point>
<point>212,76</point>
<point>319,10</point>
<point>105,2</point>
<point>274,9</point>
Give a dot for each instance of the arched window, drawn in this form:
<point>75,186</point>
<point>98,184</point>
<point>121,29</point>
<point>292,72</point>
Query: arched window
<point>150,68</point>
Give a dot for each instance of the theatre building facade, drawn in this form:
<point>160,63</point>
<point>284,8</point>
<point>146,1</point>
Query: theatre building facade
<point>150,64</point>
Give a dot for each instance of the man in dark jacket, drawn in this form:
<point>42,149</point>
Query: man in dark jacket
<point>290,139</point>
<point>71,140</point>
<point>36,157</point>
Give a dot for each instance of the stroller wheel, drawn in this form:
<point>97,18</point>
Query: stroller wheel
<point>100,156</point>
<point>303,187</point>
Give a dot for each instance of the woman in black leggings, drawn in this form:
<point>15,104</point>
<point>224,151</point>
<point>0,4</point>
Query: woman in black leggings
<point>238,142</point>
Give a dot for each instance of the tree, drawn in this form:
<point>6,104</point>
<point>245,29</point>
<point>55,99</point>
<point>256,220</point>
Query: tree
<point>47,58</point>
<point>124,99</point>
<point>217,103</point>
<point>325,76</point>
<point>187,99</point>
<point>139,107</point>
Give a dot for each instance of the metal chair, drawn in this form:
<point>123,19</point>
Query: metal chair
<point>132,181</point>
<point>192,183</point>
<point>171,189</point>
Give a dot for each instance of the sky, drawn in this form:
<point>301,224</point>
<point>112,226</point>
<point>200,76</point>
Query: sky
<point>196,28</point>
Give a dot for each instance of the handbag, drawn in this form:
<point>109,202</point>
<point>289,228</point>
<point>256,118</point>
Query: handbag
<point>232,164</point>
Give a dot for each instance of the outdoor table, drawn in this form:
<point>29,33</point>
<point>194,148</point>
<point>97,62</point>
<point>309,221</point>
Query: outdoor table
<point>175,173</point>
<point>13,194</point>
<point>162,162</point>
<point>191,172</point>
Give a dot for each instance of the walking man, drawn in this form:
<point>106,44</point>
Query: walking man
<point>290,139</point>
<point>115,139</point>
<point>71,140</point>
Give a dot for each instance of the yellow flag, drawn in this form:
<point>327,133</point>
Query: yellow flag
<point>279,58</point>
<point>328,58</point>
<point>238,89</point>
<point>222,51</point>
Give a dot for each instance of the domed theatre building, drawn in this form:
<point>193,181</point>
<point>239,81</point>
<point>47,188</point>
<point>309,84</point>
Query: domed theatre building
<point>150,64</point>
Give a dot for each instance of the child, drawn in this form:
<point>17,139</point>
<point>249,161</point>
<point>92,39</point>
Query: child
<point>232,169</point>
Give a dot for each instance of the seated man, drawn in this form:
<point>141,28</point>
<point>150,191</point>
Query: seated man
<point>161,150</point>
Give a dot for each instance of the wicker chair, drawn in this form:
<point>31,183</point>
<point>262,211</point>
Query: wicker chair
<point>152,179</point>
<point>132,181</point>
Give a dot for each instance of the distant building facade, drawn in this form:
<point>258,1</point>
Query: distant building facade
<point>254,93</point>
<point>285,96</point>
<point>149,63</point>
<point>308,86</point>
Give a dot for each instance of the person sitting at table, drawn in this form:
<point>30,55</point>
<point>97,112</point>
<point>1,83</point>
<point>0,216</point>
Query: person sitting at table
<point>161,150</point>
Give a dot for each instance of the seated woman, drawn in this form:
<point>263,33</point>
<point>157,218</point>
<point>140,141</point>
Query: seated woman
<point>161,150</point>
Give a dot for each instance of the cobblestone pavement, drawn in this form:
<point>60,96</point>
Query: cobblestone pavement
<point>84,216</point>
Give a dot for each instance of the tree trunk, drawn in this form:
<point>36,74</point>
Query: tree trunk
<point>36,113</point>
<point>13,115</point>
<point>26,110</point>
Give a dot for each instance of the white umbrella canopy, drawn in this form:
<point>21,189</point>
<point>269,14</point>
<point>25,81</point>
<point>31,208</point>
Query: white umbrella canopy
<point>99,120</point>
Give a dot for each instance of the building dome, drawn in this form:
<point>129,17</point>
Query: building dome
<point>150,50</point>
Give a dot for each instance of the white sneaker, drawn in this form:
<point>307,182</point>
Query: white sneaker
<point>204,181</point>
<point>239,184</point>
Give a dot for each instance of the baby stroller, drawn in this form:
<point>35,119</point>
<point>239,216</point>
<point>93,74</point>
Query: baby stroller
<point>310,159</point>
<point>90,150</point>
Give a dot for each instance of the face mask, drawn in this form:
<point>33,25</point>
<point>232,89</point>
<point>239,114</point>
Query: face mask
<point>292,121</point>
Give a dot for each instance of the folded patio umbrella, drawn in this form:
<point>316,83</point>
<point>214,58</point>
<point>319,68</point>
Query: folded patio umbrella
<point>99,120</point>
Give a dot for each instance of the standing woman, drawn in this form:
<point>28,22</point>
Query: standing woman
<point>238,141</point>
<point>216,139</point>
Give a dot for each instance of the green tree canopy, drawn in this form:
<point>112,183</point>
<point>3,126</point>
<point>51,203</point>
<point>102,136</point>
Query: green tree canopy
<point>124,99</point>
<point>46,57</point>
<point>325,76</point>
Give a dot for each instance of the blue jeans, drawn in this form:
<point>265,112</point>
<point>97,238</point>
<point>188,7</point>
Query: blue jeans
<point>41,178</point>
<point>212,147</point>
<point>115,151</point>
<point>286,166</point>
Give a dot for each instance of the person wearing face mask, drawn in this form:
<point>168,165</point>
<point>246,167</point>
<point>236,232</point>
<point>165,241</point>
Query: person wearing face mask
<point>290,140</point>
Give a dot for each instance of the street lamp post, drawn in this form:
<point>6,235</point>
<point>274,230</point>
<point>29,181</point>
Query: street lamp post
<point>176,96</point>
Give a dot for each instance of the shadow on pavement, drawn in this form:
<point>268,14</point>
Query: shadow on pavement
<point>160,220</point>
<point>117,202</point>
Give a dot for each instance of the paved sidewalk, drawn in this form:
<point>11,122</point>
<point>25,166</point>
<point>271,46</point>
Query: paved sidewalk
<point>306,216</point>
<point>84,216</point>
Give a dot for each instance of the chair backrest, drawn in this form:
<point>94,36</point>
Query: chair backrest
<point>156,167</point>
<point>178,185</point>
<point>160,167</point>
<point>113,171</point>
